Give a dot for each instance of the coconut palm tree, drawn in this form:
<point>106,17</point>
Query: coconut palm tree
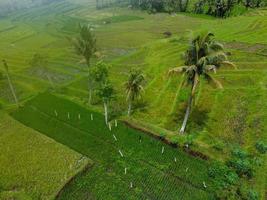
<point>10,83</point>
<point>204,55</point>
<point>134,87</point>
<point>85,46</point>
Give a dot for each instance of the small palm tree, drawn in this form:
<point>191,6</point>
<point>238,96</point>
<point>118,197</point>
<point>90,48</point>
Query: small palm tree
<point>10,83</point>
<point>203,56</point>
<point>106,92</point>
<point>85,46</point>
<point>134,87</point>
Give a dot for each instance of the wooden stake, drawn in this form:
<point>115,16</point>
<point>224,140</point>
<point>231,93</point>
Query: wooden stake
<point>120,153</point>
<point>116,123</point>
<point>115,137</point>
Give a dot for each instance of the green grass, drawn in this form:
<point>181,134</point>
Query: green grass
<point>33,166</point>
<point>135,39</point>
<point>154,175</point>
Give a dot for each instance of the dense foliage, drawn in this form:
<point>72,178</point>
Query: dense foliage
<point>217,8</point>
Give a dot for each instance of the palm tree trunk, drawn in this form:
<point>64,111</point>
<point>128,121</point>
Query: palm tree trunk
<point>129,108</point>
<point>187,113</point>
<point>106,112</point>
<point>11,85</point>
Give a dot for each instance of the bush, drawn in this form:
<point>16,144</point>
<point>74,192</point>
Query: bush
<point>224,181</point>
<point>241,163</point>
<point>222,175</point>
<point>248,194</point>
<point>261,147</point>
<point>174,140</point>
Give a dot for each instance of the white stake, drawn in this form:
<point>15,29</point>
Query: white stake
<point>56,113</point>
<point>120,153</point>
<point>162,150</point>
<point>125,170</point>
<point>92,117</point>
<point>115,138</point>
<point>109,126</point>
<point>131,185</point>
<point>68,115</point>
<point>79,116</point>
<point>116,123</point>
<point>204,184</point>
<point>175,160</point>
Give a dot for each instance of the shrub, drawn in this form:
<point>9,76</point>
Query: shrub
<point>248,194</point>
<point>224,181</point>
<point>261,147</point>
<point>222,175</point>
<point>174,140</point>
<point>241,163</point>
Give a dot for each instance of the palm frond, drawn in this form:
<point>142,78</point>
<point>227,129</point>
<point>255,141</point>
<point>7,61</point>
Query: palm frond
<point>211,68</point>
<point>211,80</point>
<point>177,70</point>
<point>228,63</point>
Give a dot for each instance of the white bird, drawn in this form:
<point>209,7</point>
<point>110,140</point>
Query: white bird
<point>162,150</point>
<point>175,160</point>
<point>125,170</point>
<point>204,184</point>
<point>56,113</point>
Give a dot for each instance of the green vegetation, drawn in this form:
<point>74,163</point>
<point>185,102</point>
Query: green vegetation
<point>32,165</point>
<point>203,56</point>
<point>36,44</point>
<point>150,164</point>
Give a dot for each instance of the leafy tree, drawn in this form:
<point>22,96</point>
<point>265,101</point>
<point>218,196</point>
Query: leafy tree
<point>99,73</point>
<point>134,87</point>
<point>203,56</point>
<point>106,92</point>
<point>85,46</point>
<point>10,83</point>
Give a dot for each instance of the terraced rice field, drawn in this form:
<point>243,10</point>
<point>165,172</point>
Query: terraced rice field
<point>127,163</point>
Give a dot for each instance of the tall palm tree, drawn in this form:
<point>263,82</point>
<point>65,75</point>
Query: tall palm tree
<point>85,46</point>
<point>10,83</point>
<point>204,55</point>
<point>134,87</point>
